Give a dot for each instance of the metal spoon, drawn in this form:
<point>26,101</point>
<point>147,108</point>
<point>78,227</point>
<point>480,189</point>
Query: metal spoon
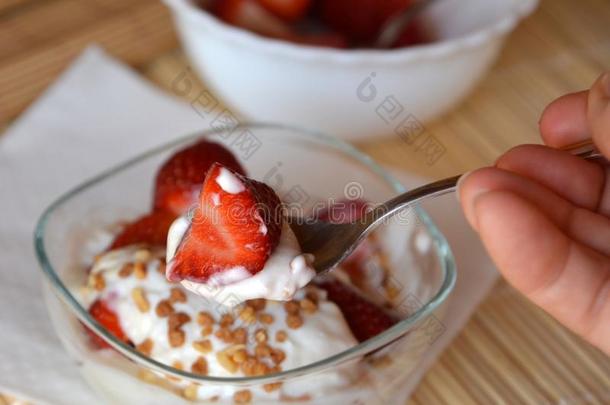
<point>396,25</point>
<point>331,243</point>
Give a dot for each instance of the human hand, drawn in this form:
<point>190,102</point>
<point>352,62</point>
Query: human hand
<point>544,215</point>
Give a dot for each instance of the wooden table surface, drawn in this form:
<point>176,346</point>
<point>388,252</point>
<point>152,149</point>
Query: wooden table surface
<point>510,351</point>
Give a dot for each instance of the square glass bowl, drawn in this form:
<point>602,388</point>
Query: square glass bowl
<point>304,168</point>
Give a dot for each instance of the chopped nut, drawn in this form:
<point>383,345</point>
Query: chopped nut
<point>281,336</point>
<point>266,318</point>
<point>203,346</point>
<point>260,369</point>
<point>260,335</point>
<point>247,367</point>
<point>177,319</point>
<point>226,320</point>
<point>142,255</point>
<point>292,307</point>
<point>233,349</point>
<point>391,290</point>
<point>262,350</point>
<point>240,356</point>
<point>140,271</point>
<point>240,335</point>
<point>139,297</point>
<point>145,347</point>
<point>176,337</point>
<point>272,386</point>
<point>161,267</point>
<point>147,375</point>
<point>226,362</point>
<point>312,296</point>
<point>308,306</point>
<point>205,318</point>
<point>380,361</point>
<point>207,330</point>
<point>126,270</point>
<point>294,321</point>
<point>177,295</point>
<point>164,309</point>
<point>247,314</point>
<point>257,304</point>
<point>242,397</point>
<point>224,334</point>
<point>200,366</point>
<point>190,392</point>
<point>99,283</point>
<point>278,356</point>
<point>177,365</point>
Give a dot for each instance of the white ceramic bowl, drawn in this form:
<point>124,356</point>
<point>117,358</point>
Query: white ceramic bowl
<point>352,94</point>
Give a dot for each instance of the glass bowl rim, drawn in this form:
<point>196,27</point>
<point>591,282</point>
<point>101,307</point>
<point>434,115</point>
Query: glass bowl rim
<point>443,252</point>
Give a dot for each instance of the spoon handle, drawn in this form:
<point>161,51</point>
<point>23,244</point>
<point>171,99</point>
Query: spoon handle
<point>585,150</point>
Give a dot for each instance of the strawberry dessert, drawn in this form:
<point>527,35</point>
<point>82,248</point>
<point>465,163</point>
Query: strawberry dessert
<point>327,23</point>
<point>213,281</point>
<point>236,246</point>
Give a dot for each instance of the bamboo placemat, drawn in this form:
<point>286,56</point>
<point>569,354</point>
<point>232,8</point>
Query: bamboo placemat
<point>510,351</point>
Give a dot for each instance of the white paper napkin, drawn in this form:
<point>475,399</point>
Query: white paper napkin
<point>97,114</point>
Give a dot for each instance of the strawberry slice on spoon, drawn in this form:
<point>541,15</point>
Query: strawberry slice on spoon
<point>233,231</point>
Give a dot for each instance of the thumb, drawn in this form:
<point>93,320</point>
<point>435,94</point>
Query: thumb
<point>598,113</point>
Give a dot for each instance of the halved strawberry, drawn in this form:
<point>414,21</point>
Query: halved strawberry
<point>100,311</point>
<point>251,15</point>
<point>287,10</point>
<point>364,318</point>
<point>360,20</point>
<point>411,35</point>
<point>150,229</point>
<point>237,224</point>
<point>321,39</point>
<point>179,179</point>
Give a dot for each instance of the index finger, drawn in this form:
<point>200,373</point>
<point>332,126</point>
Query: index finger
<point>564,121</point>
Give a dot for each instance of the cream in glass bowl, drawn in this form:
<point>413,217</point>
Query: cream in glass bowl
<point>322,361</point>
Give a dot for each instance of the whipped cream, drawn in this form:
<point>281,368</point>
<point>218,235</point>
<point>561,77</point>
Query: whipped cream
<point>323,332</point>
<point>286,271</point>
<point>229,182</point>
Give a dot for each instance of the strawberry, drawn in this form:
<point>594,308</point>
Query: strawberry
<point>360,20</point>
<point>236,224</point>
<point>346,211</point>
<point>364,318</point>
<point>150,229</point>
<point>322,39</point>
<point>100,311</point>
<point>179,179</point>
<point>287,10</point>
<point>251,15</point>
<point>411,35</point>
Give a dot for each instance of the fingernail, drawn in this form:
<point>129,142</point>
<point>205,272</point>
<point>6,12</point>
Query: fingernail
<point>459,183</point>
<point>469,204</point>
<point>606,84</point>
